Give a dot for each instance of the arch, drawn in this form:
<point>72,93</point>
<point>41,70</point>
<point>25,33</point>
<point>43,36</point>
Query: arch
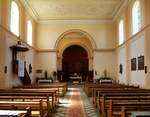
<point>76,31</point>
<point>79,44</point>
<point>64,41</point>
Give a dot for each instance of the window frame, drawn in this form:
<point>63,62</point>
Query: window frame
<point>134,31</point>
<point>122,30</point>
<point>10,21</point>
<point>29,41</point>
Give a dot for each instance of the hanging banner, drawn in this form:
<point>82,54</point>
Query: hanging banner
<point>20,68</point>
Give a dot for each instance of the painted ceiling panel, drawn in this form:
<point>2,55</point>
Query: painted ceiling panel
<point>74,9</point>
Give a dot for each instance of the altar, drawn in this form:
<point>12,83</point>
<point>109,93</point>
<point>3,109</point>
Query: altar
<point>44,81</point>
<point>76,79</point>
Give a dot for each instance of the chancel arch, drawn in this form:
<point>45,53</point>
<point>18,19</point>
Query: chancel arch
<point>75,38</point>
<point>78,32</point>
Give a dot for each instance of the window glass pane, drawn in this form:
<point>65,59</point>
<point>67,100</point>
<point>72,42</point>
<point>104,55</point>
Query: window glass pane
<point>136,17</point>
<point>29,32</point>
<point>14,20</point>
<point>121,32</point>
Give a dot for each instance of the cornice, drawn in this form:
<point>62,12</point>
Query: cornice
<point>119,10</point>
<point>81,21</point>
<point>133,37</point>
<point>94,50</point>
<point>104,50</point>
<point>46,50</point>
<point>29,9</point>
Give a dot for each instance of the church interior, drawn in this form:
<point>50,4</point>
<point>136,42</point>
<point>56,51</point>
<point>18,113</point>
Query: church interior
<point>74,58</point>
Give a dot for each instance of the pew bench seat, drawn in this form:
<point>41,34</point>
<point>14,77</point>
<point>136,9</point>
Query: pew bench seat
<point>103,102</point>
<point>124,109</point>
<point>14,113</point>
<point>36,107</point>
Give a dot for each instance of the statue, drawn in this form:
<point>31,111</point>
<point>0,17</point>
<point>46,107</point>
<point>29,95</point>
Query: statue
<point>105,73</point>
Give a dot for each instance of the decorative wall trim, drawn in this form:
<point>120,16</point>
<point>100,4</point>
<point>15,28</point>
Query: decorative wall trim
<point>46,50</point>
<point>92,41</point>
<point>104,50</point>
<point>16,38</point>
<point>29,9</point>
<point>81,21</point>
<point>119,10</point>
<point>96,50</point>
<point>133,36</point>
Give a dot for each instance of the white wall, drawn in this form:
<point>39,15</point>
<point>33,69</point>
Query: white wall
<point>46,61</point>
<point>137,49</point>
<point>10,79</point>
<point>122,59</point>
<point>105,60</point>
<point>102,34</point>
<point>0,10</point>
<point>2,51</point>
<point>30,60</point>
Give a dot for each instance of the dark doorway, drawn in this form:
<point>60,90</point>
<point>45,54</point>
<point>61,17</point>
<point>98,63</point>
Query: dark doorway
<point>75,60</point>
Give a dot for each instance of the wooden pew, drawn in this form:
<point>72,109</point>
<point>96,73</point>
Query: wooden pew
<point>125,96</point>
<point>40,90</point>
<point>124,109</point>
<point>35,106</point>
<point>26,112</point>
<point>51,93</point>
<point>99,91</point>
<point>48,92</point>
<point>90,86</point>
<point>62,87</point>
<point>116,92</point>
<point>34,95</point>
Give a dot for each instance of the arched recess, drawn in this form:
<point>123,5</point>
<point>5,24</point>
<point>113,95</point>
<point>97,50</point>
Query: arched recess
<point>71,38</point>
<point>75,60</point>
<point>75,37</point>
<point>87,35</point>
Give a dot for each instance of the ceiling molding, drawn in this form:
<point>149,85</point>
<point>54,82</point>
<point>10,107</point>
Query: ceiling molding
<point>104,50</point>
<point>46,50</point>
<point>29,9</point>
<point>119,10</point>
<point>73,21</point>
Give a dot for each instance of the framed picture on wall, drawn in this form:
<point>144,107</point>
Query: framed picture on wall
<point>133,64</point>
<point>120,68</point>
<point>141,63</point>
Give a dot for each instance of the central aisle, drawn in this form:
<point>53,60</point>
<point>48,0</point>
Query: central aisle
<point>75,104</point>
<point>76,108</point>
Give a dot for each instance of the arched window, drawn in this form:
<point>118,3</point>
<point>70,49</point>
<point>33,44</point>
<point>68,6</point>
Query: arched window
<point>121,32</point>
<point>14,18</point>
<point>29,32</point>
<point>136,17</point>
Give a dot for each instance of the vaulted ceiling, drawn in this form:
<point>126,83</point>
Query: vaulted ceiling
<point>44,10</point>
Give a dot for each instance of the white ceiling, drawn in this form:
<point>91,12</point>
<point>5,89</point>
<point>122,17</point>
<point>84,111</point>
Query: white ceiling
<point>44,10</point>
